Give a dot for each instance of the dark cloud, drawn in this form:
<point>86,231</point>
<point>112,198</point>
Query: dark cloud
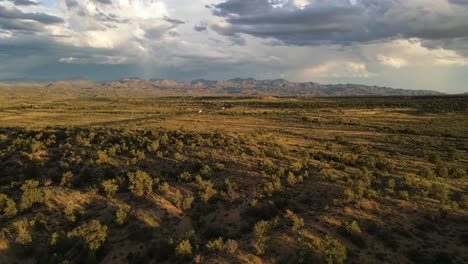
<point>16,14</point>
<point>339,22</point>
<point>200,28</point>
<point>459,2</point>
<point>23,2</point>
<point>105,2</point>
<point>174,21</point>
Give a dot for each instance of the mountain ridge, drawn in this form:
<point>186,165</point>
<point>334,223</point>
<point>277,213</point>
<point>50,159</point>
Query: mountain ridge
<point>232,87</point>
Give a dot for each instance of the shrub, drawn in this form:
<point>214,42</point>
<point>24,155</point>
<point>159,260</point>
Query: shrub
<point>184,248</point>
<point>122,213</point>
<point>458,173</point>
<point>7,206</point>
<point>231,246</point>
<point>439,192</point>
<point>205,188</point>
<point>185,176</point>
<point>260,235</point>
<point>31,194</point>
<point>66,179</point>
<point>297,222</point>
<point>23,236</point>
<point>140,183</point>
<point>215,245</point>
<point>426,172</point>
<point>352,227</point>
<point>93,234</point>
<point>335,252</point>
<point>110,187</point>
<point>291,179</point>
<point>183,202</point>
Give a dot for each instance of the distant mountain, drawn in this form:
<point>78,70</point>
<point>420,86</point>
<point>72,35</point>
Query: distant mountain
<point>235,87</point>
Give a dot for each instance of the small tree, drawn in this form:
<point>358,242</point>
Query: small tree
<point>140,183</point>
<point>93,234</point>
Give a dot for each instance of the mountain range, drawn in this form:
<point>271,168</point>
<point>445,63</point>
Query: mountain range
<point>235,87</point>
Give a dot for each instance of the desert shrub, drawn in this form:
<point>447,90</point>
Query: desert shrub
<point>205,170</point>
<point>291,179</point>
<point>92,234</point>
<point>7,206</point>
<point>404,195</point>
<point>110,187</point>
<point>66,180</point>
<point>426,172</point>
<point>231,190</point>
<point>231,246</point>
<point>183,202</point>
<point>435,158</point>
<point>140,183</point>
<point>457,173</point>
<point>215,245</point>
<point>296,221</point>
<point>31,194</point>
<point>260,236</point>
<point>273,186</point>
<point>206,190</point>
<point>335,252</point>
<point>23,236</point>
<point>185,176</point>
<point>121,213</point>
<point>184,248</point>
<point>352,227</point>
<point>442,171</point>
<point>70,213</point>
<point>439,192</point>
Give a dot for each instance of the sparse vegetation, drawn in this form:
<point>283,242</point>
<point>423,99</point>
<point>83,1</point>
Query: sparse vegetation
<point>289,180</point>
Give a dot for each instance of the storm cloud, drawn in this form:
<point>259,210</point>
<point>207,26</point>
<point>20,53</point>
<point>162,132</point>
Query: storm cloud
<point>341,22</point>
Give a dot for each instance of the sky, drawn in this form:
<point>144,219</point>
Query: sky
<point>410,44</point>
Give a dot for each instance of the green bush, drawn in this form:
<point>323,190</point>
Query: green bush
<point>121,213</point>
<point>215,245</point>
<point>92,234</point>
<point>140,183</point>
<point>110,187</point>
<point>260,236</point>
<point>31,194</point>
<point>7,206</point>
<point>184,248</point>
<point>335,252</point>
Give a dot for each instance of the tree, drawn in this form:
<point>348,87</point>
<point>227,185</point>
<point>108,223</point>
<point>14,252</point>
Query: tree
<point>140,183</point>
<point>93,234</point>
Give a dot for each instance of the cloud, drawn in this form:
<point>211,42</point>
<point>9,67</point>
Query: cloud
<point>314,22</point>
<point>16,14</point>
<point>337,69</point>
<point>200,28</point>
<point>24,3</point>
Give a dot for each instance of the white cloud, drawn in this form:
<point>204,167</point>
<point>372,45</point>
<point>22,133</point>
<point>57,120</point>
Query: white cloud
<point>337,69</point>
